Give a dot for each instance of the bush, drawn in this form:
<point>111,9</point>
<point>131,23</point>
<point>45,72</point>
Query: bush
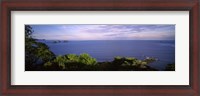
<point>117,58</point>
<point>61,61</point>
<point>86,59</point>
<point>47,64</point>
<point>72,58</point>
<point>170,67</point>
<point>74,62</point>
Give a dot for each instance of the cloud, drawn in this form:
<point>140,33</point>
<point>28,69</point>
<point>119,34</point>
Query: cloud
<point>104,32</point>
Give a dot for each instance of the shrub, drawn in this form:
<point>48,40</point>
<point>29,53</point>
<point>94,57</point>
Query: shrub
<point>47,64</point>
<point>86,59</point>
<point>74,62</point>
<point>72,58</point>
<point>170,67</point>
<point>117,58</point>
<point>149,59</point>
<point>130,59</point>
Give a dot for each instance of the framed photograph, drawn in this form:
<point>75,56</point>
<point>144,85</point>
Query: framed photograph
<point>101,47</point>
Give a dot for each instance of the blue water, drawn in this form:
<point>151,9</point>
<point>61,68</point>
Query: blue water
<point>106,50</point>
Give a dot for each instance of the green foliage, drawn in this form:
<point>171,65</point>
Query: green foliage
<point>60,59</point>
<point>47,64</point>
<point>72,58</point>
<point>143,64</point>
<point>62,65</point>
<point>43,52</point>
<point>126,63</point>
<point>28,31</point>
<point>117,58</point>
<point>130,59</point>
<point>149,59</point>
<point>170,67</point>
<point>86,59</point>
<point>35,52</point>
<point>84,62</point>
<point>130,63</point>
<point>74,62</point>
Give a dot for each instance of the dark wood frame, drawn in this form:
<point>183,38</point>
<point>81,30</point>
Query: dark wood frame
<point>99,5</point>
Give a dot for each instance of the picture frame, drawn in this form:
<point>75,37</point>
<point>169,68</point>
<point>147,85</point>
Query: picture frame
<point>100,5</point>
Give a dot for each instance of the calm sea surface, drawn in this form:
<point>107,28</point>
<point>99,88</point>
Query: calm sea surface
<point>106,50</point>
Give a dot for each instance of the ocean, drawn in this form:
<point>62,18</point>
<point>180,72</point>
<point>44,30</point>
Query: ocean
<point>106,50</point>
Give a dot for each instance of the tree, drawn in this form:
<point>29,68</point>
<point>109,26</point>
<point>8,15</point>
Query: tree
<point>35,52</point>
<point>28,31</point>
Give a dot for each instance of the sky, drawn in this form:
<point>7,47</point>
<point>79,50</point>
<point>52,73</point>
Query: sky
<point>104,32</point>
